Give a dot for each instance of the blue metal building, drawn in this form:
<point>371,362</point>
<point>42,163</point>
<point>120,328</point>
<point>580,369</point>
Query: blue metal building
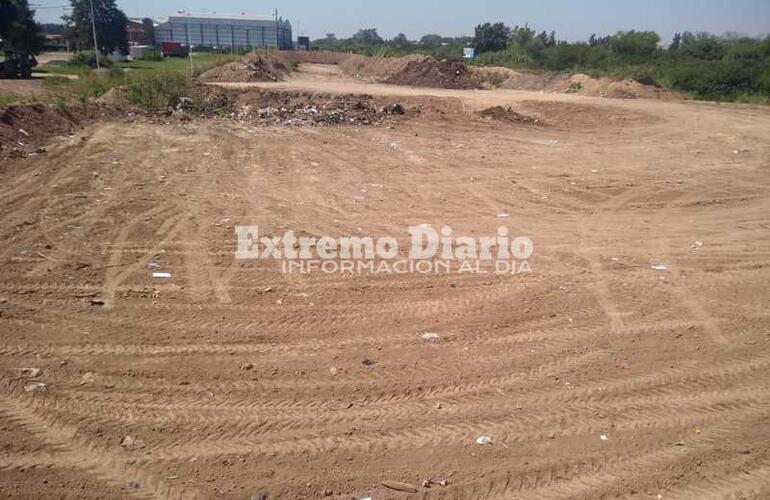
<point>225,31</point>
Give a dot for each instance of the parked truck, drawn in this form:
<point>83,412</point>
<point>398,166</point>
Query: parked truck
<point>17,65</point>
<point>174,49</point>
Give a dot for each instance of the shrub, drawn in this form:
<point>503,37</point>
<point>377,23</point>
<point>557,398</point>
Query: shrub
<point>156,90</point>
<point>152,55</point>
<point>116,72</point>
<point>512,57</point>
<point>635,43</point>
<point>87,58</point>
<point>718,80</point>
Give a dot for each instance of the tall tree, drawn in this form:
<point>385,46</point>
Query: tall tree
<point>111,25</point>
<point>368,37</point>
<point>676,42</point>
<point>491,37</point>
<point>431,40</point>
<point>18,29</point>
<point>401,41</point>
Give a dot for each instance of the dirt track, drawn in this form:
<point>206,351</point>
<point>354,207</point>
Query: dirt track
<point>673,367</point>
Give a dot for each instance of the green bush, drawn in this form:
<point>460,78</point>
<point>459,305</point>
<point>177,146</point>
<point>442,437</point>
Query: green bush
<point>718,80</point>
<point>152,55</point>
<point>512,57</point>
<point>156,90</point>
<point>87,58</point>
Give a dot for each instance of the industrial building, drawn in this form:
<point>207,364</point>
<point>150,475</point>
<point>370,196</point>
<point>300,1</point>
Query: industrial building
<point>232,31</point>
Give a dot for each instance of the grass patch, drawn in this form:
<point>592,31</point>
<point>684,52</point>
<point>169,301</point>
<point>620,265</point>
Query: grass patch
<point>150,84</point>
<point>7,98</point>
<point>156,90</point>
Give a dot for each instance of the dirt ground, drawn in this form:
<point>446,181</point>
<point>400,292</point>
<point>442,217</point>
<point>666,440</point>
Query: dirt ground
<point>595,375</point>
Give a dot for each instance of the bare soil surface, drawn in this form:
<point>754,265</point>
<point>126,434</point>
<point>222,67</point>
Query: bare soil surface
<point>595,375</point>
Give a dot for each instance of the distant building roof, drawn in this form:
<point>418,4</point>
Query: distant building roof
<point>220,15</point>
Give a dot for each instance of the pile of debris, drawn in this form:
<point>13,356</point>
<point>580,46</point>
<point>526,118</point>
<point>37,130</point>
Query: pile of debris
<point>508,114</point>
<point>306,109</point>
<point>430,72</point>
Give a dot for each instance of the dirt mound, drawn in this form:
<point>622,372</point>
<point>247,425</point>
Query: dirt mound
<point>429,72</point>
<point>578,83</point>
<point>256,67</point>
<point>25,128</point>
<point>376,68</point>
<point>508,114</point>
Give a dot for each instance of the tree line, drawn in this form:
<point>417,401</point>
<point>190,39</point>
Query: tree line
<point>726,67</point>
<point>20,32</point>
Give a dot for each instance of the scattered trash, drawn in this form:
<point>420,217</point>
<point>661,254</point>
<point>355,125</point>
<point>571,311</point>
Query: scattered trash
<point>395,109</point>
<point>88,377</point>
<point>697,244</point>
<point>161,275</point>
<point>430,336</point>
<point>35,386</point>
<point>132,485</point>
<point>247,366</point>
<point>660,267</point>
<point>97,302</point>
<point>604,437</point>
<point>153,265</point>
<point>399,486</point>
<point>623,365</point>
<point>484,440</point>
<point>368,362</point>
<point>334,371</point>
<point>29,372</point>
<point>503,216</point>
<point>128,442</point>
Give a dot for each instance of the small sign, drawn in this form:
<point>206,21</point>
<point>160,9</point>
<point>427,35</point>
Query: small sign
<point>469,53</point>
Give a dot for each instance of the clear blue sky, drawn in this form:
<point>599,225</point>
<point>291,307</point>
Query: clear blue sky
<point>572,20</point>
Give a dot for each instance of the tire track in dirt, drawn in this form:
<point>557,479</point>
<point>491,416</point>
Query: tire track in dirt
<point>114,274</point>
<point>86,454</point>
<point>510,428</point>
<point>605,481</point>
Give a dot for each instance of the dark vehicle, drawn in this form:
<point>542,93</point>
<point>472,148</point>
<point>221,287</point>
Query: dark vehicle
<point>17,65</point>
<point>174,49</point>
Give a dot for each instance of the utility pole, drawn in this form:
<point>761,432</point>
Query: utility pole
<point>96,43</point>
<point>277,36</point>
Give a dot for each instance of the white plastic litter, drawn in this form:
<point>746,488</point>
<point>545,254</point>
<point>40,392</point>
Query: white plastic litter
<point>161,275</point>
<point>604,437</point>
<point>484,440</point>
<point>35,386</point>
<point>660,267</point>
<point>430,336</point>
